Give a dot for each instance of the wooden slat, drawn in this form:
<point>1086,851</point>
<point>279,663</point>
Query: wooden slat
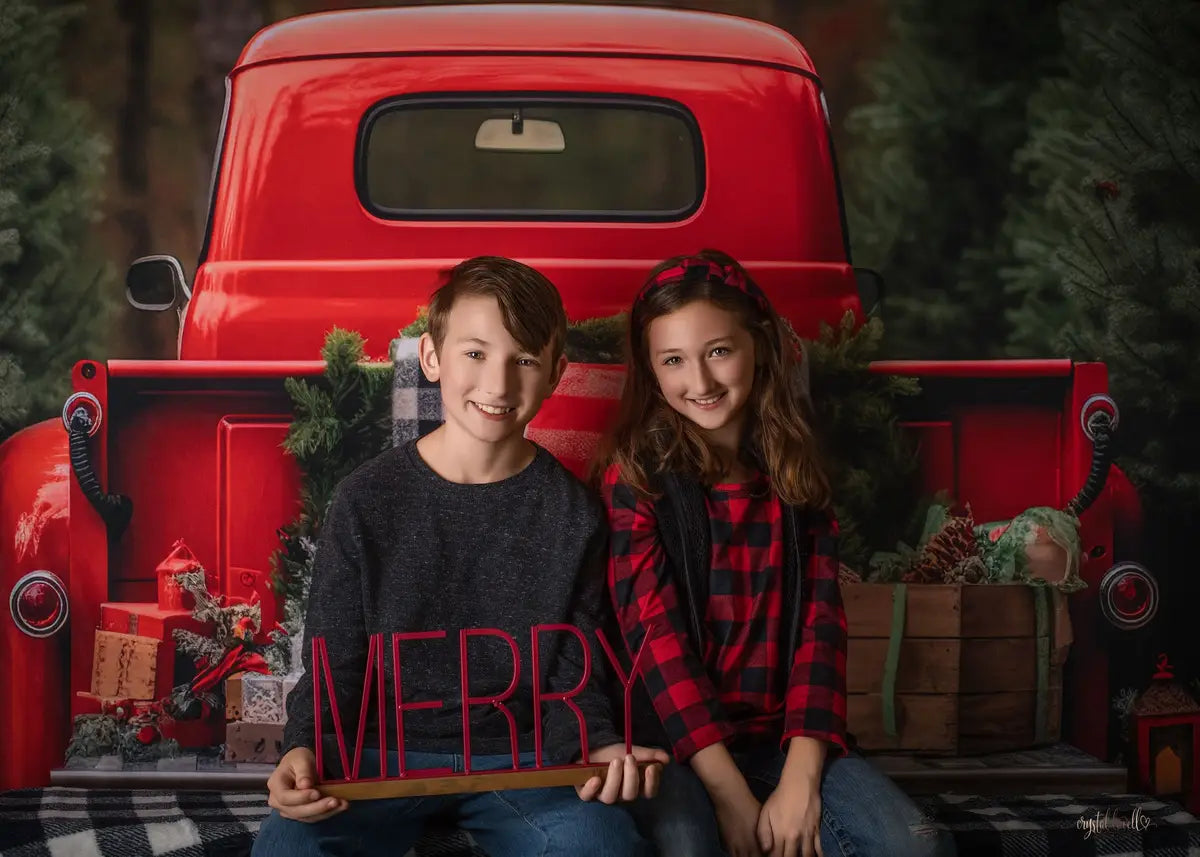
<point>926,722</point>
<point>999,665</point>
<point>998,610</point>
<point>932,610</point>
<point>565,775</point>
<point>926,665</point>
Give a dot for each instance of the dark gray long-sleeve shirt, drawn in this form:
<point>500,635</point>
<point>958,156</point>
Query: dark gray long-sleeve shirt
<point>405,550</point>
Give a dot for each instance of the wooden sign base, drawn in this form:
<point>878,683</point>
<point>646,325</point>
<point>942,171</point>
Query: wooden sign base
<point>483,781</point>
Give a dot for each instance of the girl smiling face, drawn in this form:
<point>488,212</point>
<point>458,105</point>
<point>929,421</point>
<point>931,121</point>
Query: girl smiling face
<point>703,360</point>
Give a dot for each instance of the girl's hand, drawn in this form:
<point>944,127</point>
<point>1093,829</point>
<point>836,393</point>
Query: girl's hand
<point>790,822</point>
<point>737,819</point>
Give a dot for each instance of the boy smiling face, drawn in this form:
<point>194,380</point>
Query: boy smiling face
<point>491,385</point>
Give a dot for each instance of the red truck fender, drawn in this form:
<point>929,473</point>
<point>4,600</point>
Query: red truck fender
<point>35,471</point>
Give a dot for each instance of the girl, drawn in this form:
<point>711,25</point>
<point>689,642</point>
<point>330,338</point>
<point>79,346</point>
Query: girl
<point>723,562</point>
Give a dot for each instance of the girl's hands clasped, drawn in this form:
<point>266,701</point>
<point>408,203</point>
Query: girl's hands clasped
<point>790,822</point>
<point>737,818</point>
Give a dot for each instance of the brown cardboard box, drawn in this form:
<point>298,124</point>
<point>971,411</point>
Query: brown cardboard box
<point>253,742</point>
<point>233,697</point>
<point>124,665</point>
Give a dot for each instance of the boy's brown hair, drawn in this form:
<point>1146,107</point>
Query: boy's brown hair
<point>531,306</point>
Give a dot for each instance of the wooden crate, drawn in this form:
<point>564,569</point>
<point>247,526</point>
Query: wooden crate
<point>967,672</point>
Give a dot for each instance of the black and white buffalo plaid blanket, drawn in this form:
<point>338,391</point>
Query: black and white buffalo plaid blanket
<point>58,822</point>
<point>416,401</point>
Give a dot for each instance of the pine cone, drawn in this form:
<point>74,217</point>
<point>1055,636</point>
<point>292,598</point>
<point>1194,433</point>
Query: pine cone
<point>970,570</point>
<point>950,552</point>
<point>848,575</point>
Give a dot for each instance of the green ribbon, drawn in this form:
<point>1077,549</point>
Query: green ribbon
<point>899,611</point>
<point>1041,596</point>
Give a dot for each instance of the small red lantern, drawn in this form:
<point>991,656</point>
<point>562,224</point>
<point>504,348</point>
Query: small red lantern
<point>171,596</point>
<point>1166,740</point>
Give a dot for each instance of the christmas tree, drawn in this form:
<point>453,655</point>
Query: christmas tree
<point>930,166</point>
<point>1056,162</point>
<point>871,462</point>
<point>342,420</point>
<point>51,295</point>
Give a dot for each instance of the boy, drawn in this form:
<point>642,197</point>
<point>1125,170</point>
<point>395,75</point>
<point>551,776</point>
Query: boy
<point>471,526</point>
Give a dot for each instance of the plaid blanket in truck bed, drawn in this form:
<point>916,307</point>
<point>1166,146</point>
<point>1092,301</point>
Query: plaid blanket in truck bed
<point>60,822</point>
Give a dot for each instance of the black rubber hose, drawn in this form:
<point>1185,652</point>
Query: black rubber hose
<point>114,509</point>
<point>1100,424</point>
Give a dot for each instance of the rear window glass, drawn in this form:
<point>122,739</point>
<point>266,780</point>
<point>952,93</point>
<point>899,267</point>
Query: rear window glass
<point>531,158</point>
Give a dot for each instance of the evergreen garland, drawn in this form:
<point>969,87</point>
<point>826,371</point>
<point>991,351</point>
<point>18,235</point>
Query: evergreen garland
<point>342,420</point>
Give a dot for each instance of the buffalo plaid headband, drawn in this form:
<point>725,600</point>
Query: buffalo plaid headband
<point>696,270</point>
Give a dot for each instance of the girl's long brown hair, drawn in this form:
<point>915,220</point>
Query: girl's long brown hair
<point>650,436</point>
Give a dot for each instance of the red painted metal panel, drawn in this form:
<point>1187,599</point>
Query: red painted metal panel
<point>88,585</point>
<point>164,449</point>
<point>258,492</point>
<point>34,505</point>
<point>525,28</point>
<point>975,368</point>
<point>1008,459</point>
<point>289,230</point>
<point>938,456</point>
<point>1086,681</point>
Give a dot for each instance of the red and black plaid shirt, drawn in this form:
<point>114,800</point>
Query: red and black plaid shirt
<point>730,689</point>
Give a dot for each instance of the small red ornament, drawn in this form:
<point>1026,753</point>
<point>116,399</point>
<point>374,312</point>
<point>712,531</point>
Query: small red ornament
<point>146,735</point>
<point>1107,190</point>
<point>171,596</point>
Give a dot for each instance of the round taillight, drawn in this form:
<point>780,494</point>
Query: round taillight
<point>1128,596</point>
<point>38,604</point>
<point>87,405</point>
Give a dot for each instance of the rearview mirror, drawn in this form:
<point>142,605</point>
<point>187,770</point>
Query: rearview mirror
<point>870,290</point>
<point>153,283</point>
<point>520,135</point>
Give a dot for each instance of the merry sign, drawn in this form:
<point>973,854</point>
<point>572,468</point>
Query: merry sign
<point>445,781</point>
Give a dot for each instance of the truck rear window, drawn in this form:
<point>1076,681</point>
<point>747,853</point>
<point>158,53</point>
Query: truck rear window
<point>530,158</point>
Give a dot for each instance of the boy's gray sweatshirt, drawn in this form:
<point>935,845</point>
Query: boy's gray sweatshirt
<point>403,550</point>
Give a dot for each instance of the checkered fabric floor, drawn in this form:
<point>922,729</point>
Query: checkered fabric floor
<point>59,822</point>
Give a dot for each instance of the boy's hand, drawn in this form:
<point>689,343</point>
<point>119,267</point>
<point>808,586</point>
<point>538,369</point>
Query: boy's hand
<point>790,822</point>
<point>624,780</point>
<point>292,789</point>
<point>738,821</point>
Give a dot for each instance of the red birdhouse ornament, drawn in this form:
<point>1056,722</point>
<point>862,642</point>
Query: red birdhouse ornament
<point>1166,740</point>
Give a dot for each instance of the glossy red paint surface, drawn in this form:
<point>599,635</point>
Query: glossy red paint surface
<point>34,511</point>
<point>293,251</point>
<point>525,28</point>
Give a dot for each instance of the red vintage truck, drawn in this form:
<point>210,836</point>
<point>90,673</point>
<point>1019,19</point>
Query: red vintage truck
<point>363,152</point>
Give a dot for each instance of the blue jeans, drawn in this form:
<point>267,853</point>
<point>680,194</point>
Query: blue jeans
<point>863,813</point>
<point>513,823</point>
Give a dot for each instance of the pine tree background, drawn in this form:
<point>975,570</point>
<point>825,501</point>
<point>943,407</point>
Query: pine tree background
<point>52,289</point>
<point>1131,268</point>
<point>929,166</point>
<point>872,463</point>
